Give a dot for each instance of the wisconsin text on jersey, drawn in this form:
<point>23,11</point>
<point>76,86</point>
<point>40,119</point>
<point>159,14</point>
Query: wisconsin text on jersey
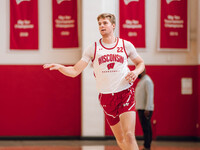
<point>111,58</point>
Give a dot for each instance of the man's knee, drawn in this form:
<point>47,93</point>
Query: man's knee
<point>130,137</point>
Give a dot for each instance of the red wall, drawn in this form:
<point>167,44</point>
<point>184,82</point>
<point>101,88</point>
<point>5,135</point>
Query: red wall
<point>38,102</point>
<point>175,114</point>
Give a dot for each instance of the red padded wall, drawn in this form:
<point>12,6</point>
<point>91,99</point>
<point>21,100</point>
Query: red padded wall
<point>175,114</point>
<point>38,102</point>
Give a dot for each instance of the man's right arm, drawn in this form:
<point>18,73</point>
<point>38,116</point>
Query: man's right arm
<point>71,71</point>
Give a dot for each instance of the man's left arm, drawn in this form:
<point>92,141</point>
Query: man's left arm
<point>139,67</point>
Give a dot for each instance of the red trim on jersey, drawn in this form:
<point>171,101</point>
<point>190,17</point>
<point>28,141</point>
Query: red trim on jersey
<point>94,74</point>
<point>124,48</point>
<point>95,49</point>
<point>111,47</point>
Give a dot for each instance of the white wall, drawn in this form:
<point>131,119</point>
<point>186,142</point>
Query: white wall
<point>150,55</point>
<point>46,53</point>
<point>92,114</point>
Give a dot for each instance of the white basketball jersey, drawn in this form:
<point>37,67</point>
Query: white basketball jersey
<point>111,67</point>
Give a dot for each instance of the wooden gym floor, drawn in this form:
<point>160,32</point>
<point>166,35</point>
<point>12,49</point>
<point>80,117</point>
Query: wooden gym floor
<point>90,145</point>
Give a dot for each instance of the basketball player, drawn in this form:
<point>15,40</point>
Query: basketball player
<point>113,78</point>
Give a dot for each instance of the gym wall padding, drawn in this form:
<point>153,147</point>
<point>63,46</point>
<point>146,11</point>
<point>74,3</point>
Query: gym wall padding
<point>38,102</point>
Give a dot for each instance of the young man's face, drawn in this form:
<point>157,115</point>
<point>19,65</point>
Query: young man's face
<point>105,26</point>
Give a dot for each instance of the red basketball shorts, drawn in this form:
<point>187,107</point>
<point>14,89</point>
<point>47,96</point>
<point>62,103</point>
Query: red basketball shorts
<point>115,104</point>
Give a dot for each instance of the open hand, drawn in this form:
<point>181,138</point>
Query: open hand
<point>131,76</point>
<point>52,66</point>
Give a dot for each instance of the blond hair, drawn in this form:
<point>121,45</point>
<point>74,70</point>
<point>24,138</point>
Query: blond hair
<point>111,17</point>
